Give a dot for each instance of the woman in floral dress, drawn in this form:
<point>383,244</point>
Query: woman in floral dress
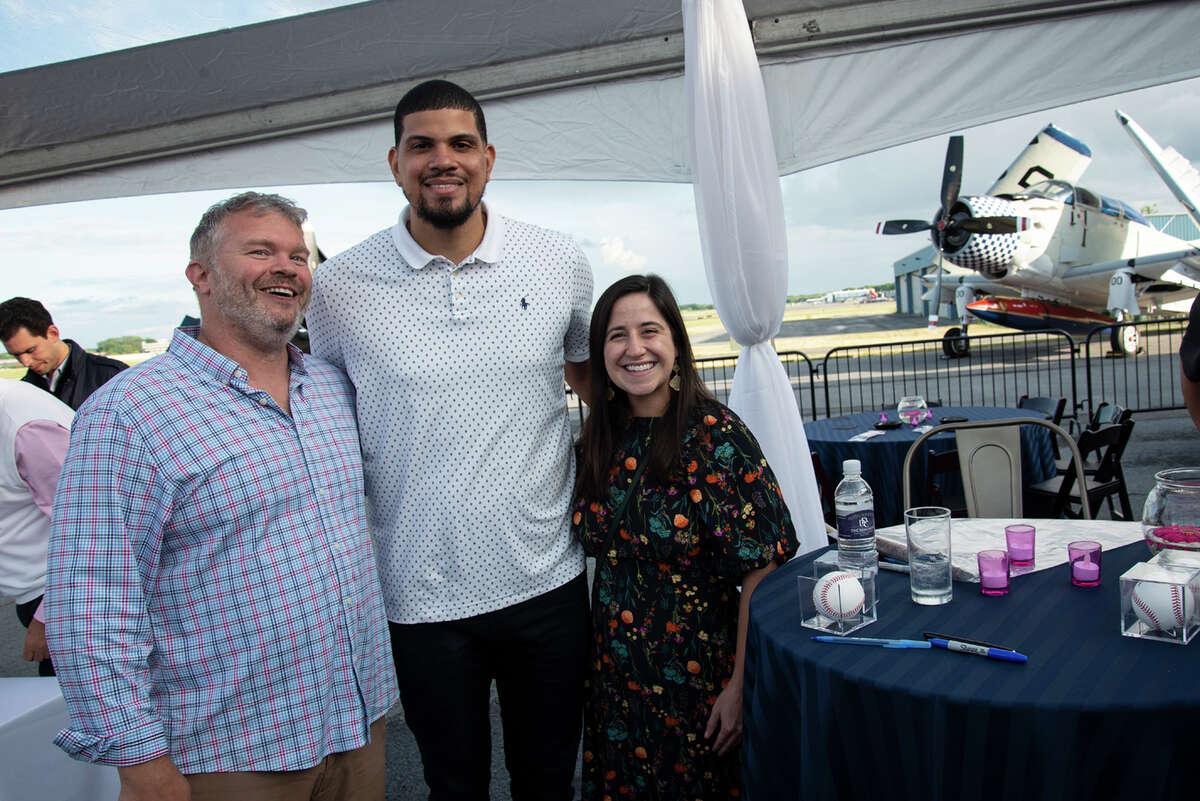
<point>678,506</point>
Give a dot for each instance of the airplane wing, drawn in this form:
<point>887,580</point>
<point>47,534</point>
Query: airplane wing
<point>972,279</point>
<point>1178,266</point>
<point>1176,171</point>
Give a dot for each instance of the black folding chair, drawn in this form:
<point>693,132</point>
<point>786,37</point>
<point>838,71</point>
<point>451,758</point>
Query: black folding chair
<point>1058,496</point>
<point>1104,415</point>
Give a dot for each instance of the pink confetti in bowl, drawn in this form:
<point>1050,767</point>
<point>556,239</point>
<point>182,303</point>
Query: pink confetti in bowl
<point>1179,538</point>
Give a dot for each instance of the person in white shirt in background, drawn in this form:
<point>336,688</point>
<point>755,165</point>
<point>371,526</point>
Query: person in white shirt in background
<point>35,428</point>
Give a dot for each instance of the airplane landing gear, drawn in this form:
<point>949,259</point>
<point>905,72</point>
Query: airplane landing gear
<point>1124,339</point>
<point>954,343</point>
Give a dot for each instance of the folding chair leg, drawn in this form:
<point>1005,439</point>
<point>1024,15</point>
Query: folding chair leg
<point>1125,506</point>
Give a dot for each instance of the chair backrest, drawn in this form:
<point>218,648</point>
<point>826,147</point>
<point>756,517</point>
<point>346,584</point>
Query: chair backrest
<point>990,460</point>
<point>1108,414</point>
<point>1051,407</point>
<point>1108,443</point>
<point>980,454</point>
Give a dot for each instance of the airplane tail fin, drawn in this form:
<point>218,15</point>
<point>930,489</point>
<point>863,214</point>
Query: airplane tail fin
<point>1052,154</point>
<point>1176,171</point>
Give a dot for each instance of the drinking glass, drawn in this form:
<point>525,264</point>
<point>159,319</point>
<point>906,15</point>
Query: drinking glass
<point>911,409</point>
<point>927,529</point>
<point>1084,558</point>
<point>1019,537</point>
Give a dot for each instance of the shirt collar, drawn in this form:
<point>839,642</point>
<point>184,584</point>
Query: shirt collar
<point>203,359</point>
<point>488,252</point>
<point>55,374</point>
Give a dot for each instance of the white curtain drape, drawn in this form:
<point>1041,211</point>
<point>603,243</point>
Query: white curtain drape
<point>740,209</point>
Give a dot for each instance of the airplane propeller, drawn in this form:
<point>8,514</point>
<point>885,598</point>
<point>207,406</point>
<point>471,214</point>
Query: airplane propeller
<point>951,226</point>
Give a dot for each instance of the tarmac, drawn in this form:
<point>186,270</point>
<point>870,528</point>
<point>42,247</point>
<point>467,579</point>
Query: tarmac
<point>1160,440</point>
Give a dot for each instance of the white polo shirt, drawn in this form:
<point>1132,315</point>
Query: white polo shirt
<point>461,410</point>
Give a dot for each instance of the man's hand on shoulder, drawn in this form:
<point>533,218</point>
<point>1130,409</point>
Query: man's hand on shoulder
<point>156,779</point>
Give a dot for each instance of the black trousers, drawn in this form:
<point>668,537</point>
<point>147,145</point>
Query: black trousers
<point>25,615</point>
<point>536,651</point>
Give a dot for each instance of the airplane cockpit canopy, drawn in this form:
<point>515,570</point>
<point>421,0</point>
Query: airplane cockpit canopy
<point>1059,191</point>
<point>1063,192</point>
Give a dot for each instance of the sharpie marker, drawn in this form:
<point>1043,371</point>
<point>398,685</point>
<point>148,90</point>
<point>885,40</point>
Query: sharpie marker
<point>1002,654</point>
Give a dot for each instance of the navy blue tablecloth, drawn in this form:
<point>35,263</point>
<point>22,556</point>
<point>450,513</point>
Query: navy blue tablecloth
<point>1092,715</point>
<point>883,457</point>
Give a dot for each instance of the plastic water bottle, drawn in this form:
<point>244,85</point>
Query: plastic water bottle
<point>855,506</point>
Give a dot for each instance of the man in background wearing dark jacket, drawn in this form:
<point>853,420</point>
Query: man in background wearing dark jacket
<point>59,366</point>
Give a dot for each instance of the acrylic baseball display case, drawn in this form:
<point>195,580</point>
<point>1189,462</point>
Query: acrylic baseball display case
<point>1159,598</point>
<point>834,606</point>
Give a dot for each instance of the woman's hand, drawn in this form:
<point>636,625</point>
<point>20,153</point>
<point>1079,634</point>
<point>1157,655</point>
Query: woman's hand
<point>725,720</point>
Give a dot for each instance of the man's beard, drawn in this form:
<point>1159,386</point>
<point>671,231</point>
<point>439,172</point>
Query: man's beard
<point>445,216</point>
<point>258,326</point>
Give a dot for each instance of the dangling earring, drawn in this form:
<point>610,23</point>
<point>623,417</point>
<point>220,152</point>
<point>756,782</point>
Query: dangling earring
<point>674,382</point>
<point>610,392</point>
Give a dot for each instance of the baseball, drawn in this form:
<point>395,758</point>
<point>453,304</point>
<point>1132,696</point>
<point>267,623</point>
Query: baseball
<point>1162,607</point>
<point>838,595</point>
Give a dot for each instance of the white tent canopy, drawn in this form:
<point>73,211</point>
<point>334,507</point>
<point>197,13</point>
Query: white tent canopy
<point>573,90</point>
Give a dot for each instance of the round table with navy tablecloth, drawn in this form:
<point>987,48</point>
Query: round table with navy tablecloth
<point>1092,715</point>
<point>882,457</point>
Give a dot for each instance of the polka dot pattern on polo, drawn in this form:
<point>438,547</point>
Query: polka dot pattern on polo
<point>461,409</point>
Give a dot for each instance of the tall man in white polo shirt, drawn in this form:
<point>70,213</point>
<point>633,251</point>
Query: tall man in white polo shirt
<point>457,327</point>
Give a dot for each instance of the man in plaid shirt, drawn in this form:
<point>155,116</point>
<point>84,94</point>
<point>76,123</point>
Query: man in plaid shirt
<point>213,605</point>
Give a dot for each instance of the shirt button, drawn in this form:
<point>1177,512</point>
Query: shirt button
<point>458,296</point>
<point>262,401</point>
<point>337,545</point>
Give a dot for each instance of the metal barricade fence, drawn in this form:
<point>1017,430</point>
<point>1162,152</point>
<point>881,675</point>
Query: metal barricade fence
<point>718,377</point>
<point>997,370</point>
<point>1145,381</point>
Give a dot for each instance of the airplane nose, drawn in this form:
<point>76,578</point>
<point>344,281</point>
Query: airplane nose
<point>989,254</point>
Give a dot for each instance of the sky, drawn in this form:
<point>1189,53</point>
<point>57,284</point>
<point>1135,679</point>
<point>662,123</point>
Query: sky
<point>115,267</point>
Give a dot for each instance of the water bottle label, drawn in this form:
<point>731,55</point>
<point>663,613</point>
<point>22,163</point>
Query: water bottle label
<point>856,525</point>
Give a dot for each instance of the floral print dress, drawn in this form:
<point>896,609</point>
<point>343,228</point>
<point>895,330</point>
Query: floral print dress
<point>665,607</point>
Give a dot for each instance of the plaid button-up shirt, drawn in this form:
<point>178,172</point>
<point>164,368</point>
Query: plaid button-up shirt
<point>212,590</point>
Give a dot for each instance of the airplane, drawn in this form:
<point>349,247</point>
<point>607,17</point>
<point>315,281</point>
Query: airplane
<point>1038,251</point>
<point>864,294</point>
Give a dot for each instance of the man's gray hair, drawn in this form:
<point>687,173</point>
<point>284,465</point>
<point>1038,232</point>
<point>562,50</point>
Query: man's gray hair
<point>206,237</point>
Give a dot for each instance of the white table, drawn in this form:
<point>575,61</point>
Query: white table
<point>32,711</point>
<point>970,535</point>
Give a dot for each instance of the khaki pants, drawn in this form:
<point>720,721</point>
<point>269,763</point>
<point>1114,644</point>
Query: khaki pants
<point>358,775</point>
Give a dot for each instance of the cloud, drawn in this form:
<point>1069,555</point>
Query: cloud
<point>617,255</point>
